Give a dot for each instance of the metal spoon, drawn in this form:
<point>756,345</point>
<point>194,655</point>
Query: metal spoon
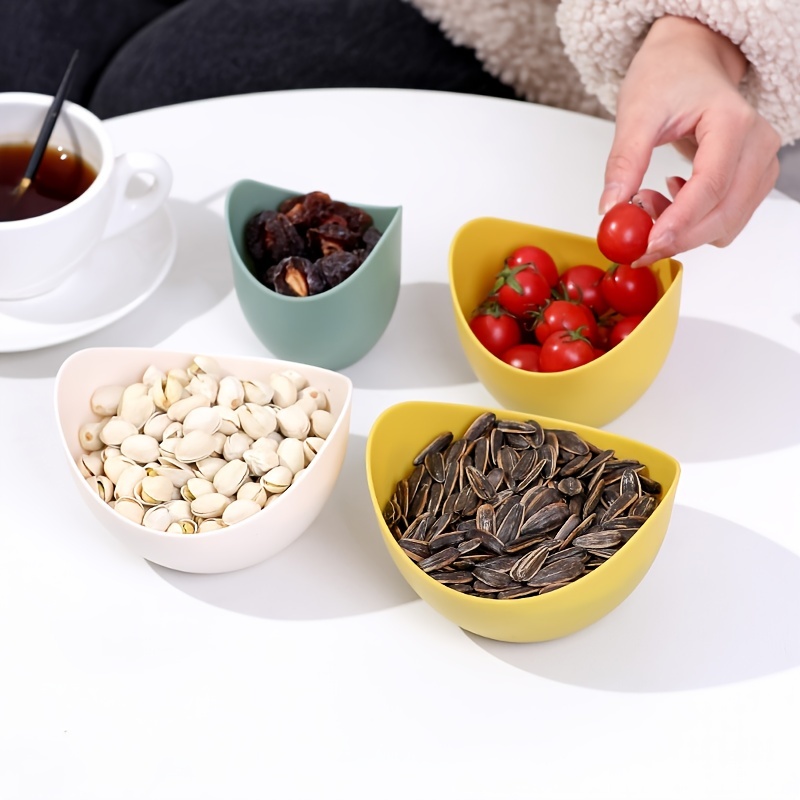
<point>47,129</point>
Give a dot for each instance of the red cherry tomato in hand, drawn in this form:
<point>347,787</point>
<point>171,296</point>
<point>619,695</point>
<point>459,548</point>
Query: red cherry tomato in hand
<point>565,350</point>
<point>623,233</point>
<point>622,328</point>
<point>582,283</point>
<point>566,315</point>
<point>540,259</point>
<point>521,290</point>
<point>523,356</point>
<point>630,290</point>
<point>495,329</point>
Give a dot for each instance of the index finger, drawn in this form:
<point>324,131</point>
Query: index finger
<point>628,159</point>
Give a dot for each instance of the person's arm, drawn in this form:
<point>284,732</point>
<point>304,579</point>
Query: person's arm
<point>678,80</point>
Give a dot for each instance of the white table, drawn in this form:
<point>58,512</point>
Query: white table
<point>319,673</point>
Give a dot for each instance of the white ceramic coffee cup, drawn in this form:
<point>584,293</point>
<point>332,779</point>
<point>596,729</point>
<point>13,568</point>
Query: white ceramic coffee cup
<point>39,253</point>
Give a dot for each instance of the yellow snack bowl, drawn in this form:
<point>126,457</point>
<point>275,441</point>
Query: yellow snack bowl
<point>593,394</point>
<point>403,430</point>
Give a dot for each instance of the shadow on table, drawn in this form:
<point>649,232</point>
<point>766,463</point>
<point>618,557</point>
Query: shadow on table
<point>723,393</point>
<point>422,340</point>
<point>692,411</point>
<point>716,608</point>
<point>199,279</point>
<point>338,568</point>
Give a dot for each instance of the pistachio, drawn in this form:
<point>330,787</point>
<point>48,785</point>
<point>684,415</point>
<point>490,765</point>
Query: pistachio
<point>91,464</point>
<point>214,524</point>
<point>277,480</point>
<point>179,509</point>
<point>114,467</point>
<point>141,448</point>
<point>205,364</point>
<point>195,446</point>
<point>157,518</point>
<point>89,436</point>
<point>187,525</point>
<point>210,505</point>
<point>284,390</point>
<point>230,478</point>
<point>319,397</point>
<point>105,400</point>
<point>322,423</point>
<point>293,422</point>
<point>312,446</point>
<point>157,425</point>
<point>231,392</point>
<point>136,406</point>
<point>257,392</point>
<point>235,445</point>
<point>153,375</point>
<point>103,486</point>
<point>298,379</point>
<point>205,385</point>
<point>179,410</point>
<point>260,460</point>
<point>155,489</point>
<point>128,479</point>
<point>203,418</point>
<point>196,487</point>
<point>194,450</point>
<point>239,510</point>
<point>209,467</point>
<point>290,453</point>
<point>116,430</point>
<point>130,509</point>
<point>252,491</point>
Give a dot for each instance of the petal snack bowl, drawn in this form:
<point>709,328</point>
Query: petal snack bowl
<point>404,430</point>
<point>334,328</point>
<point>244,543</point>
<point>593,394</point>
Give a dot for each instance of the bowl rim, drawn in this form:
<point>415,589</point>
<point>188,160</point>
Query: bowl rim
<point>563,592</point>
<point>240,259</point>
<point>141,530</point>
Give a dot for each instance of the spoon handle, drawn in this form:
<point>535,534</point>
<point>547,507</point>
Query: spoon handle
<point>49,124</point>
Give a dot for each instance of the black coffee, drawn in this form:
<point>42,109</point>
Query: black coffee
<point>62,176</point>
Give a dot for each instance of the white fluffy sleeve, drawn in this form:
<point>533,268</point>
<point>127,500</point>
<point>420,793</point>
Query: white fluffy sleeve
<point>602,36</point>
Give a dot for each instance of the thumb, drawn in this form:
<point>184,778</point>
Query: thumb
<point>627,161</point>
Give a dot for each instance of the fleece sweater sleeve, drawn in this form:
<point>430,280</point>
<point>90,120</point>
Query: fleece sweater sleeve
<point>602,36</point>
<point>518,42</point>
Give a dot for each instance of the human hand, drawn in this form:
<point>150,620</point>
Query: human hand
<point>681,88</point>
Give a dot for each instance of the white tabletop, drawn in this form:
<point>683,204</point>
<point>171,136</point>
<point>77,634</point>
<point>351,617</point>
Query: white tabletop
<point>319,673</point>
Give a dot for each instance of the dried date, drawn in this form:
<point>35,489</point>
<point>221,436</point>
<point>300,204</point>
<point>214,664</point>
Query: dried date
<point>297,276</point>
<point>309,244</point>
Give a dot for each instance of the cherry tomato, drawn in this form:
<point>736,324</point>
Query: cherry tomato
<point>521,290</point>
<point>604,326</point>
<point>565,315</point>
<point>622,236</point>
<point>540,259</point>
<point>495,329</point>
<point>582,283</point>
<point>523,356</point>
<point>622,328</point>
<point>565,350</point>
<point>630,290</point>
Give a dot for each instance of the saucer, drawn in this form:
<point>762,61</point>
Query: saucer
<point>115,278</point>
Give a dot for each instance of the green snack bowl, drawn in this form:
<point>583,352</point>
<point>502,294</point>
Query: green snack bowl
<point>334,328</point>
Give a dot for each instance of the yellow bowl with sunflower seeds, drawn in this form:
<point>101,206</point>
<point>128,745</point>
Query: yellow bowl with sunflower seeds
<point>503,587</point>
<point>592,394</point>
